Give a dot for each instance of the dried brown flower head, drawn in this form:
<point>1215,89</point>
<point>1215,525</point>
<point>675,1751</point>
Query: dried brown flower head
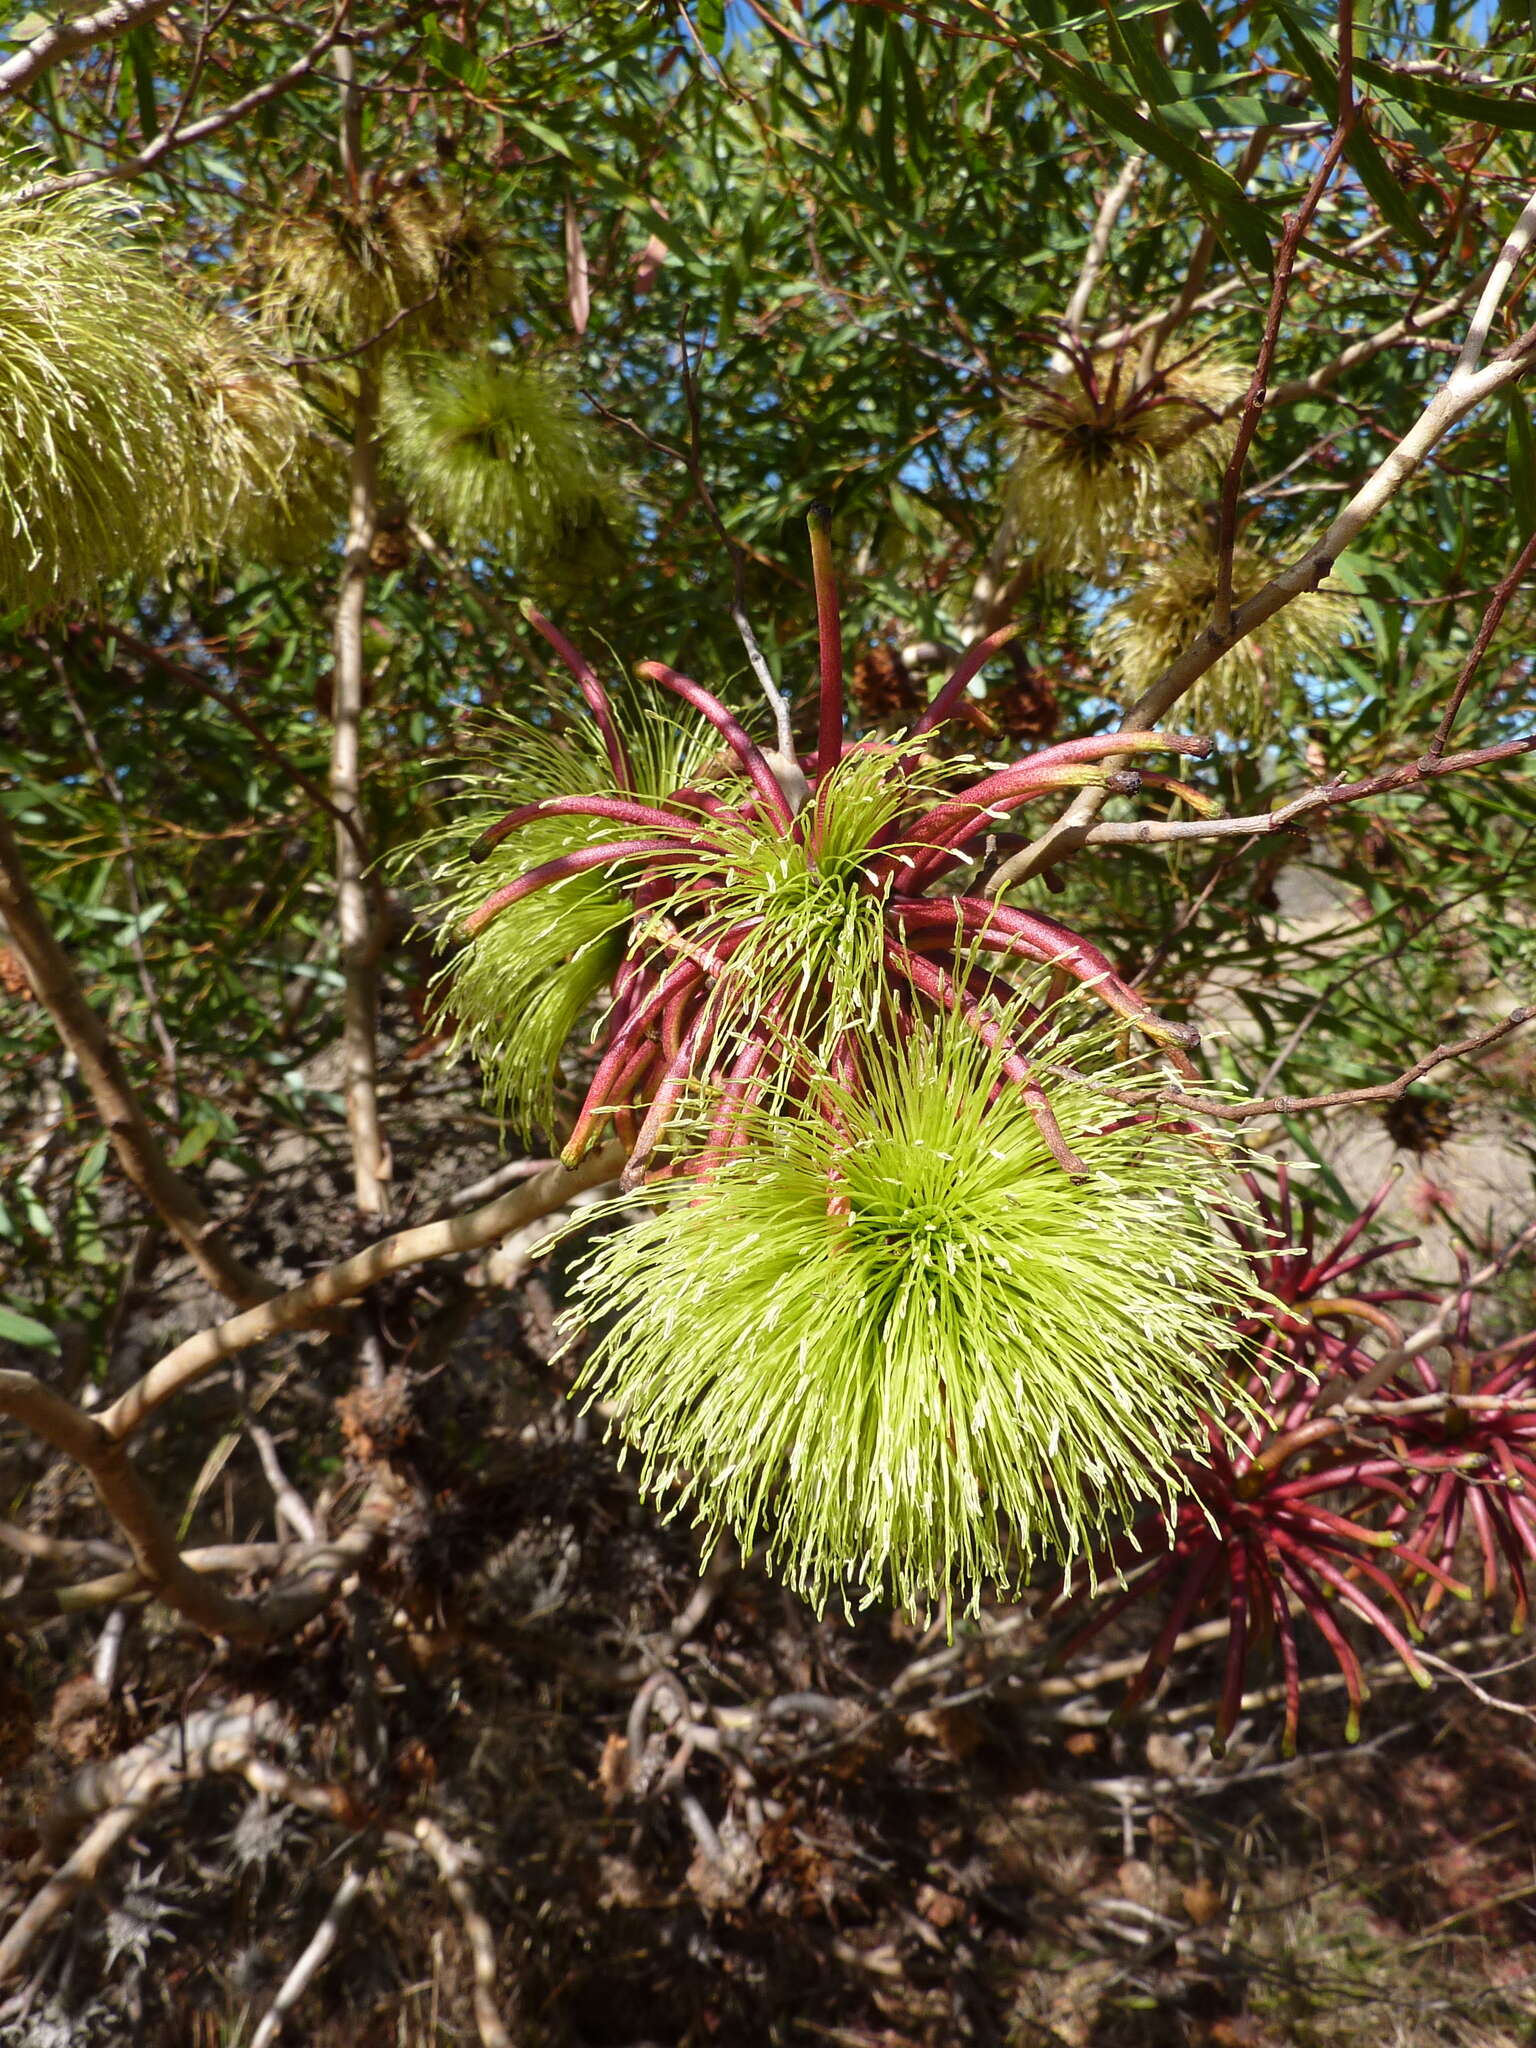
<point>403,257</point>
<point>1106,459</point>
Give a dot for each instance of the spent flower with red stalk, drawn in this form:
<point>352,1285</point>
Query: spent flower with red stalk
<point>762,917</point>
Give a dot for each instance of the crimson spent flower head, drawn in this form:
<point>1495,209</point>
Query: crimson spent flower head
<point>1469,1464</point>
<point>1271,1528</point>
<point>1325,1292</point>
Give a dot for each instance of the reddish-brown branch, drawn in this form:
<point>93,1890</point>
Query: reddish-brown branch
<point>138,1151</point>
<point>1498,604</point>
<point>1343,1098</point>
<point>1296,225</point>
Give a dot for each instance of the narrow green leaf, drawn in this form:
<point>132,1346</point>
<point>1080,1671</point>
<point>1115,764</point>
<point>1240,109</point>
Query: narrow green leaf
<point>1521,446</point>
<point>1432,95</point>
<point>196,1142</point>
<point>92,1164</point>
<point>1138,49</point>
<point>885,116</point>
<point>456,62</point>
<point>16,1328</point>
<point>711,25</point>
<point>1237,218</point>
<point>139,46</point>
<point>1194,25</point>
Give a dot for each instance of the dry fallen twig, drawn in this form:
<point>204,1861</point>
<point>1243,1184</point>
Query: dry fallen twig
<point>311,1961</point>
<point>118,1794</point>
<point>159,1566</point>
<point>453,1861</point>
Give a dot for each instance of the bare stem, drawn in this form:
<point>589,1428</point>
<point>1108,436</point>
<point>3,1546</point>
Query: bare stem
<point>180,135</point>
<point>1110,208</point>
<point>1296,226</point>
<point>1498,604</point>
<point>354,907</point>
<point>453,1863</point>
<point>66,37</point>
<point>829,643</point>
<point>1429,768</point>
<point>307,1307</point>
<point>1343,1098</point>
<point>151,1541</point>
<point>138,1151</point>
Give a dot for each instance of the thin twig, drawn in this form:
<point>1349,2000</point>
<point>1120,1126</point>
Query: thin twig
<point>306,1307</point>
<point>1428,768</point>
<point>110,784</point>
<point>1296,225</point>
<point>453,1862</point>
<point>1382,1091</point>
<point>151,1539</point>
<point>174,137</point>
<point>485,1190</point>
<point>311,1961</point>
<point>1354,1395</point>
<point>1461,394</point>
<point>291,1504</point>
<point>181,672</point>
<point>1110,208</point>
<point>1497,606</point>
<point>139,1153</point>
<point>218,1742</point>
<point>692,462</point>
<point>64,38</point>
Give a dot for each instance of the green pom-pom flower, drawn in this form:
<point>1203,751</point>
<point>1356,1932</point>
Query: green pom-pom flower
<point>102,443</point>
<point>894,1341</point>
<point>500,455</point>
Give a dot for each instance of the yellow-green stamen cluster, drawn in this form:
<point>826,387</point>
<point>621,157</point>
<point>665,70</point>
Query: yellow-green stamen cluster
<point>901,1348</point>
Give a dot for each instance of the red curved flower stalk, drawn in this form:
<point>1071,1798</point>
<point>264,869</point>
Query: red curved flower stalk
<point>591,688</point>
<point>680,859</point>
